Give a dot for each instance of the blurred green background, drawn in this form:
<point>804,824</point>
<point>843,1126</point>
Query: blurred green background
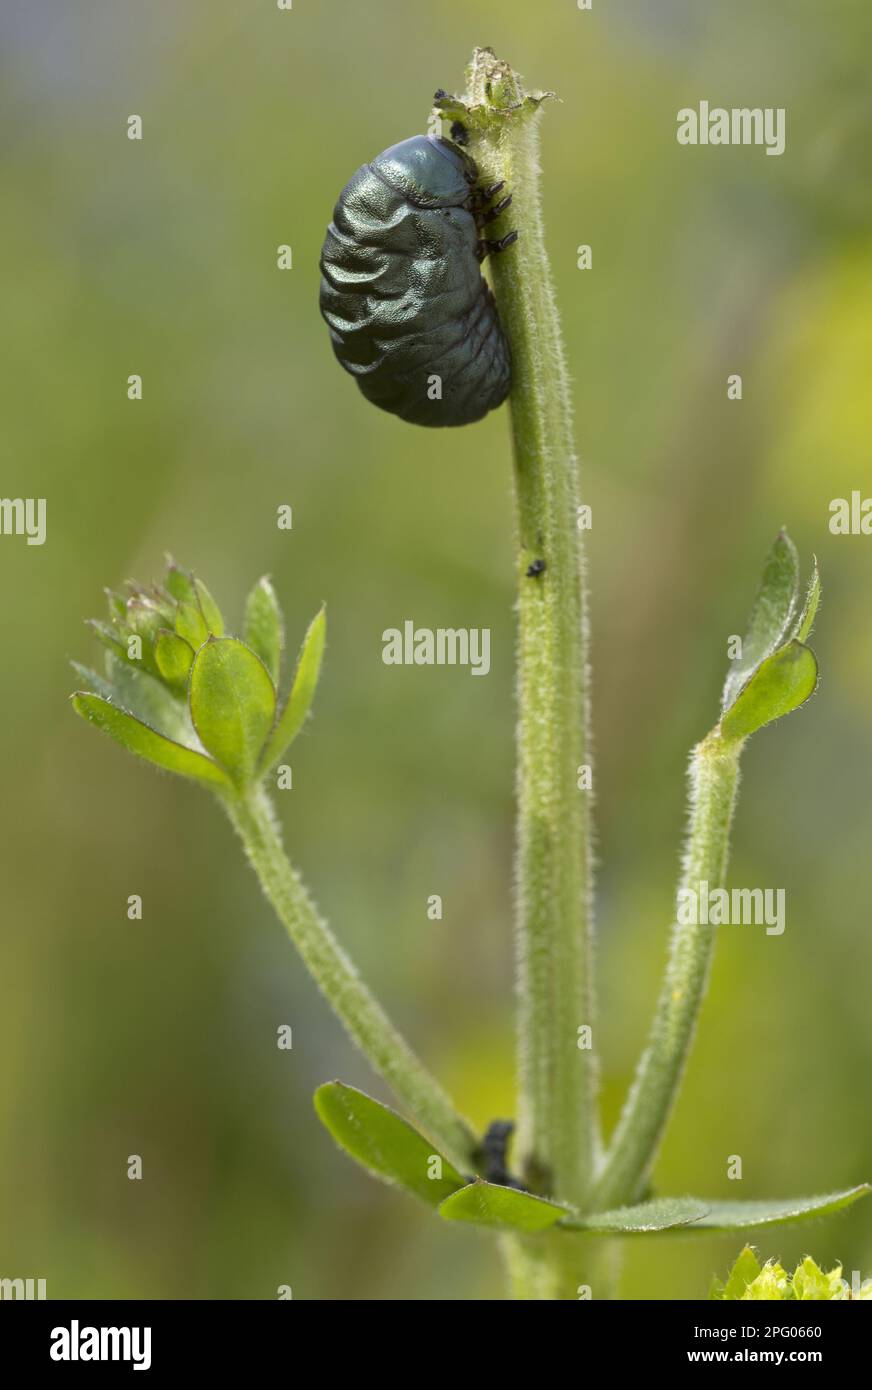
<point>158,258</point>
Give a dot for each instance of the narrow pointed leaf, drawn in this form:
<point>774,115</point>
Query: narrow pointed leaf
<point>781,684</point>
<point>147,743</point>
<point>487,1204</point>
<point>108,636</point>
<point>263,629</point>
<point>191,625</point>
<point>746,1269</point>
<point>92,682</point>
<point>813,1284</point>
<point>179,583</point>
<point>154,600</point>
<point>660,1214</point>
<point>302,692</point>
<point>232,704</point>
<point>151,702</point>
<point>384,1143</point>
<point>805,621</point>
<point>143,619</point>
<point>772,1283</point>
<point>210,610</point>
<point>116,604</point>
<point>174,657</point>
<point>771,615</point>
<point>737,1216</point>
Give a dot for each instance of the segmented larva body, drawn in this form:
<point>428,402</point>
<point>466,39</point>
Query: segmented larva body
<point>410,314</point>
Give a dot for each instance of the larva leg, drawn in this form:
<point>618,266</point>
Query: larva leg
<point>487,247</point>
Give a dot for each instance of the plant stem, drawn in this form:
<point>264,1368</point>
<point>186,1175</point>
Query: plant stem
<point>557,1266</point>
<point>362,1016</point>
<point>557,1130</point>
<point>714,776</point>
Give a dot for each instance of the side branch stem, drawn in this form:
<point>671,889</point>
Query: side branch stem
<point>714,779</point>
<point>360,1013</point>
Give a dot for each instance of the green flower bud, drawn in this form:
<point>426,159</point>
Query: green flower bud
<point>188,698</point>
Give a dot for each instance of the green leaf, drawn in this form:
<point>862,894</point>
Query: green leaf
<point>805,622</point>
<point>152,702</point>
<point>180,584</point>
<point>746,1269</point>
<point>117,605</point>
<point>660,1214</point>
<point>487,1204</point>
<point>770,617</point>
<point>781,684</point>
<point>143,619</point>
<point>108,636</point>
<point>174,657</point>
<point>191,593</point>
<point>147,743</point>
<point>191,625</point>
<point>384,1143</point>
<point>210,610</point>
<point>811,1284</point>
<point>736,1216</point>
<point>749,1281</point>
<point>302,692</point>
<point>232,704</point>
<point>263,628</point>
<point>772,1284</point>
<point>93,682</point>
<point>142,696</point>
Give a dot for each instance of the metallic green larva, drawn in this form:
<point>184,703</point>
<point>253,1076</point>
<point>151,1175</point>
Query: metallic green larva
<point>410,314</point>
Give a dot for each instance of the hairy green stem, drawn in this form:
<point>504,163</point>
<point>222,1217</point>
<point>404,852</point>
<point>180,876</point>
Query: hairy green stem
<point>714,776</point>
<point>557,1128</point>
<point>362,1016</point>
<point>558,1266</point>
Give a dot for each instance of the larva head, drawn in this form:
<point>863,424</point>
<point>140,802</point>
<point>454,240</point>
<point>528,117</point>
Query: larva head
<point>429,172</point>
